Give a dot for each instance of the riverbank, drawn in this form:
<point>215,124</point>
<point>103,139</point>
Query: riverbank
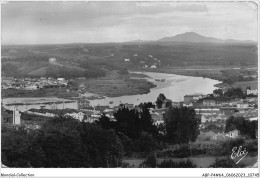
<point>116,85</point>
<point>113,85</point>
<point>62,92</point>
<point>223,75</point>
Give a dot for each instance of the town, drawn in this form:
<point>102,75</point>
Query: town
<point>212,109</point>
<point>129,85</point>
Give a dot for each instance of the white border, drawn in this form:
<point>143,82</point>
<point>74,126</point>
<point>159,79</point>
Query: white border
<point>132,172</point>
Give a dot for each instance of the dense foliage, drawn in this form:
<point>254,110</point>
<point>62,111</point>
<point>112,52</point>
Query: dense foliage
<point>152,162</point>
<point>235,93</point>
<point>134,128</point>
<point>182,125</point>
<point>61,142</point>
<point>181,164</point>
<point>245,127</point>
<point>160,100</point>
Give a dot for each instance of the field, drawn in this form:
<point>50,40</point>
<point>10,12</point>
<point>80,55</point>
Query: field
<point>114,85</point>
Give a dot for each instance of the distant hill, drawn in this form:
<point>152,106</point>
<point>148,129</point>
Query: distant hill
<point>93,60</point>
<point>192,37</point>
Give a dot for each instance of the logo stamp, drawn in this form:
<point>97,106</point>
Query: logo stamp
<point>238,153</point>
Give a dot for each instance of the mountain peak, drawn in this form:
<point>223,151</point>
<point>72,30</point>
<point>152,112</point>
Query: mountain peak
<point>189,33</point>
<point>190,37</point>
<point>193,37</point>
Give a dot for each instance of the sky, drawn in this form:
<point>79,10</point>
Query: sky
<point>97,22</point>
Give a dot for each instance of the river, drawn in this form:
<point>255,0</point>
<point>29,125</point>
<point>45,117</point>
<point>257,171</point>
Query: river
<point>174,87</point>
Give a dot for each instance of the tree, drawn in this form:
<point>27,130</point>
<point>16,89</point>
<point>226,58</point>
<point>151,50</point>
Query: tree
<point>103,147</point>
<point>146,123</point>
<point>19,148</point>
<point>150,162</point>
<point>218,91</point>
<point>234,92</point>
<point>132,122</point>
<point>181,125</point>
<point>128,122</point>
<point>61,143</point>
<point>168,103</point>
<point>146,105</point>
<point>160,100</point>
<point>245,127</point>
<point>182,164</point>
<point>105,123</point>
<point>146,143</point>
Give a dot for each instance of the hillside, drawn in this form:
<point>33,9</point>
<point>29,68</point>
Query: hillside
<point>79,59</point>
<point>192,37</point>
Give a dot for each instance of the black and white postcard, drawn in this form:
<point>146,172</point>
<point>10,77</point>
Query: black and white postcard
<point>131,85</point>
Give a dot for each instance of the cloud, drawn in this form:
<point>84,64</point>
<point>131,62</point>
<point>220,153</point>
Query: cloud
<point>51,22</point>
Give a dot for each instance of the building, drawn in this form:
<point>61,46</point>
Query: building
<point>242,104</point>
<point>233,134</point>
<point>209,103</point>
<point>188,104</point>
<point>207,111</point>
<point>251,99</point>
<point>52,60</point>
<point>83,103</point>
<point>42,112</point>
<point>127,60</point>
<point>191,98</point>
<point>76,115</point>
<point>216,101</point>
<point>213,118</point>
<point>251,92</point>
<point>88,108</point>
<point>60,79</point>
<point>31,87</point>
<point>153,67</point>
<point>101,108</point>
<point>16,117</point>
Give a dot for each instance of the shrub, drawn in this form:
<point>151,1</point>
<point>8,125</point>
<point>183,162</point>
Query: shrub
<point>171,164</point>
<point>225,163</point>
<point>150,162</point>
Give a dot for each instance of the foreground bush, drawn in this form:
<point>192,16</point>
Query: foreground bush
<point>61,143</point>
<point>151,162</point>
<point>225,163</point>
<point>171,164</point>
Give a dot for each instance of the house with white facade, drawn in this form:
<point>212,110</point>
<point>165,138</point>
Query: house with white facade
<point>242,104</point>
<point>76,115</point>
<point>251,92</point>
<point>52,60</point>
